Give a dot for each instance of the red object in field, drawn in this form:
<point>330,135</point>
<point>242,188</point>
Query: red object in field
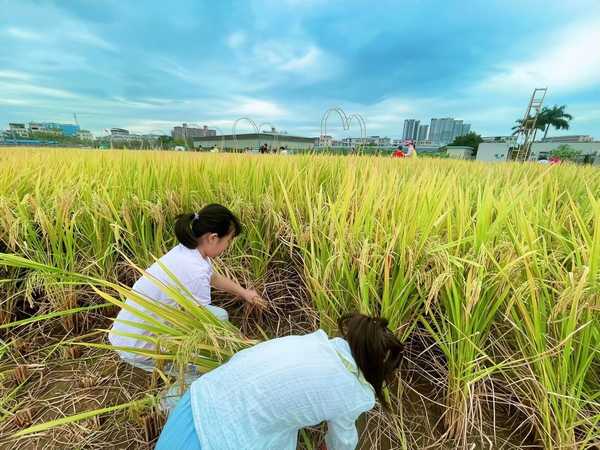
<point>398,154</point>
<point>554,160</point>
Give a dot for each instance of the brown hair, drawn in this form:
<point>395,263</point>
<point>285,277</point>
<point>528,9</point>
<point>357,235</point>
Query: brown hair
<point>376,350</point>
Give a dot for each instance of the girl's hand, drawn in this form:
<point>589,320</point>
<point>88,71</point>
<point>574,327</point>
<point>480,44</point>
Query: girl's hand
<point>252,297</point>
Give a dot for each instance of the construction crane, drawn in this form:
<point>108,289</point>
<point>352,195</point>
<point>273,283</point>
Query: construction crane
<point>527,129</point>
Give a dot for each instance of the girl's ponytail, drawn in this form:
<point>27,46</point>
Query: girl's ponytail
<point>184,232</point>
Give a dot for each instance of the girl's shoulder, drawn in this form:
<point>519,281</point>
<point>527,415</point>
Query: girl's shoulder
<point>180,255</point>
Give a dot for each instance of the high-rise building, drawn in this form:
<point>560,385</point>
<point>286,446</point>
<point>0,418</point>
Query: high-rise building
<point>446,127</point>
<point>423,131</point>
<point>457,131</point>
<point>433,130</point>
<point>411,129</point>
<point>445,130</point>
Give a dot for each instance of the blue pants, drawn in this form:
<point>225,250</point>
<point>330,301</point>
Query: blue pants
<point>179,432</point>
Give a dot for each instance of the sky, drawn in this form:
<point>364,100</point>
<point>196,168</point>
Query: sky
<point>150,65</point>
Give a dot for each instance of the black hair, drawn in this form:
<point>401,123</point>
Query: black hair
<point>213,218</point>
<point>375,349</point>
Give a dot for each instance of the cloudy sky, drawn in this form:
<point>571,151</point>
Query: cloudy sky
<point>148,65</point>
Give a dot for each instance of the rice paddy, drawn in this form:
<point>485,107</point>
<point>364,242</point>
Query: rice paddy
<point>490,273</point>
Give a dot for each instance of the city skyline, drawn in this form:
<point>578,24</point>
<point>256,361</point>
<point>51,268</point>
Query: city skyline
<point>150,69</point>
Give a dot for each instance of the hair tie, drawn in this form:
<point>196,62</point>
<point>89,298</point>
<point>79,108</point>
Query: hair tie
<point>196,216</point>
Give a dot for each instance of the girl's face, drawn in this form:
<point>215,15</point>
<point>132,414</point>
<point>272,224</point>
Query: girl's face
<point>211,245</point>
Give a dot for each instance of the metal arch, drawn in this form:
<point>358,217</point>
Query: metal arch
<point>275,136</point>
<point>234,128</point>
<point>341,113</point>
<point>346,122</point>
<point>363,126</point>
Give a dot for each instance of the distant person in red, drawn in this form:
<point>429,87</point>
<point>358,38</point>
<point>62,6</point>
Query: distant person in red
<point>398,153</point>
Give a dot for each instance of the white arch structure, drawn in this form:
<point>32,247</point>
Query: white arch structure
<point>234,128</point>
<point>275,136</point>
<point>346,122</point>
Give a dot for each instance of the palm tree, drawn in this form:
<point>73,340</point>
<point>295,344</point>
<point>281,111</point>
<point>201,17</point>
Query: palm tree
<point>556,117</point>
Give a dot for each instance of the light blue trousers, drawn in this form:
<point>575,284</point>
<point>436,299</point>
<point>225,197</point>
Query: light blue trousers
<point>179,432</point>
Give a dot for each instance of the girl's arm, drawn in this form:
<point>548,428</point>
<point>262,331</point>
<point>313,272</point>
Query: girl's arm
<point>223,283</point>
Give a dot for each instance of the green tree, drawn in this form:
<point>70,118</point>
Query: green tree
<point>565,152</point>
<point>470,139</point>
<point>165,141</point>
<point>554,117</point>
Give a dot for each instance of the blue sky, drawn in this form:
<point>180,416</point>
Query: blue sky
<point>149,65</point>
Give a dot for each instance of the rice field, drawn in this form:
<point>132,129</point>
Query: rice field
<point>490,273</point>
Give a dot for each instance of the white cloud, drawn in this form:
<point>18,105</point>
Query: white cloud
<point>86,37</point>
<point>31,91</point>
<point>307,61</point>
<point>21,33</point>
<point>237,39</point>
<point>13,102</point>
<point>256,108</point>
<point>64,31</point>
<point>15,75</point>
<point>569,62</point>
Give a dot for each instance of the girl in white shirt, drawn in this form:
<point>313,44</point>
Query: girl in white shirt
<point>202,236</point>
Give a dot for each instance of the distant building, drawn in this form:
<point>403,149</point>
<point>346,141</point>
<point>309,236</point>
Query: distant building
<point>460,152</point>
<point>123,135</point>
<point>85,135</point>
<point>411,129</point>
<point>423,132</point>
<point>187,132</point>
<point>325,141</point>
<point>501,151</point>
<point>446,129</point>
<point>384,142</point>
<point>355,141</point>
<point>510,139</point>
<point>64,129</point>
<point>254,141</point>
<point>17,130</point>
<point>572,138</point>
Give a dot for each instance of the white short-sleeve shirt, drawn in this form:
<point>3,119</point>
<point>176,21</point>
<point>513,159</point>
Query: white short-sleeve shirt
<point>191,269</point>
